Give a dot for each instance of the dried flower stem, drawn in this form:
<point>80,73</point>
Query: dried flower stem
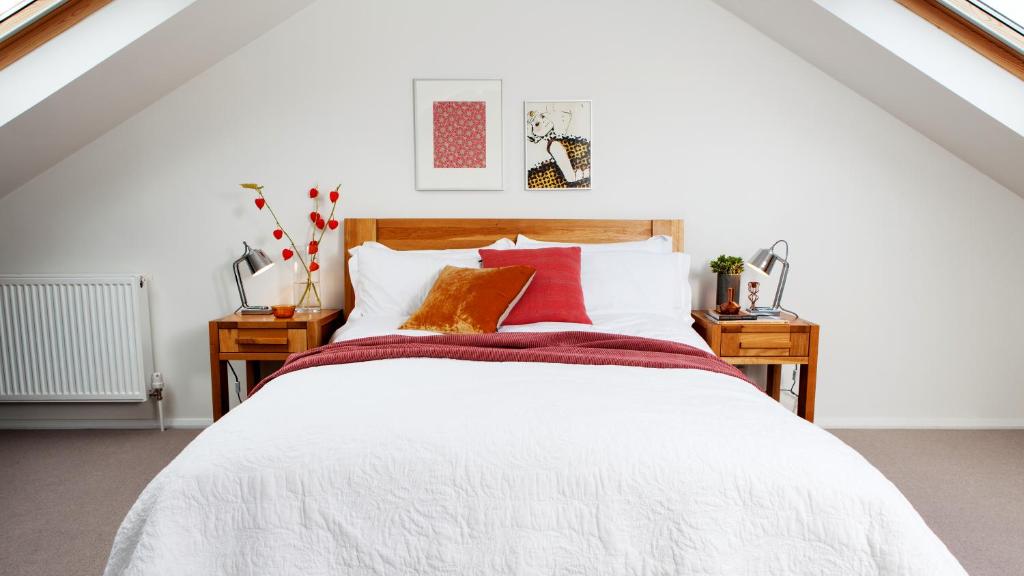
<point>298,254</point>
<point>312,258</point>
<point>313,237</point>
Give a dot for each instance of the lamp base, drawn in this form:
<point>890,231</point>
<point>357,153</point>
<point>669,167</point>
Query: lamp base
<point>255,310</point>
<point>765,311</point>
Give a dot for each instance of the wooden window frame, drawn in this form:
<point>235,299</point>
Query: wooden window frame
<point>43,29</point>
<point>990,41</point>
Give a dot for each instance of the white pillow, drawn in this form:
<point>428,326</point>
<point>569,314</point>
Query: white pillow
<point>353,261</point>
<point>640,282</point>
<point>654,244</point>
<point>390,281</point>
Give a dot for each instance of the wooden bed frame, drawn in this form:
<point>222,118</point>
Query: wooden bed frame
<point>442,233</point>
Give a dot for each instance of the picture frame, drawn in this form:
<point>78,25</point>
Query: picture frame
<point>557,141</point>
<point>458,134</point>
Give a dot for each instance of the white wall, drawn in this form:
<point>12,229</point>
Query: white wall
<point>897,245</point>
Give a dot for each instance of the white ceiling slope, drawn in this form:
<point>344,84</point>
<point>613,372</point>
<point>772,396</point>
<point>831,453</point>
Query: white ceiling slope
<point>913,70</point>
<point>124,80</point>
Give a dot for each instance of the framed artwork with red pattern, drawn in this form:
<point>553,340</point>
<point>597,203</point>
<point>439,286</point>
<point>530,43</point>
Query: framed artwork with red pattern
<point>458,134</point>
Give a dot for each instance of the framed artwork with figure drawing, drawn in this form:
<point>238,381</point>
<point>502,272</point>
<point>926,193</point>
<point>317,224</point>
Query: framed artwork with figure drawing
<point>458,134</point>
<point>558,137</point>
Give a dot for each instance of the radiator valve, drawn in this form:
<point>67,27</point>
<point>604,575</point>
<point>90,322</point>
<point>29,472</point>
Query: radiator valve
<point>157,386</point>
<point>156,392</point>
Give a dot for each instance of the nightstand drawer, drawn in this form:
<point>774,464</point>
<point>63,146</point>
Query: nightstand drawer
<point>771,344</point>
<point>764,344</point>
<point>262,340</point>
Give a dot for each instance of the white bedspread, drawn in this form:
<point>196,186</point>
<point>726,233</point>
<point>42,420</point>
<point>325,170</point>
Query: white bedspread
<point>430,467</point>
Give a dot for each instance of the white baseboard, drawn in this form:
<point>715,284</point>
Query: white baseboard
<point>103,424</point>
<point>923,423</point>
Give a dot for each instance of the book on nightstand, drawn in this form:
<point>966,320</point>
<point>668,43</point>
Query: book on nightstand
<point>719,317</point>
<point>744,316</point>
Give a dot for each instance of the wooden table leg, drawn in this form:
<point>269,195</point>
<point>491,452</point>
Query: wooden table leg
<point>218,376</point>
<point>252,375</point>
<point>774,385</point>
<point>221,403</point>
<point>808,379</point>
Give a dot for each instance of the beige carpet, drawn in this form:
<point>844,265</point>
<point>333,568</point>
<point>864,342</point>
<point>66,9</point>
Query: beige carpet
<point>64,493</point>
<point>967,484</point>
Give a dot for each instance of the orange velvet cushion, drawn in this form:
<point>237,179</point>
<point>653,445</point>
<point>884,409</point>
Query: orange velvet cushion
<point>470,300</point>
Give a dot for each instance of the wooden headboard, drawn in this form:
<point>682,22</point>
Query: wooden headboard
<point>442,233</point>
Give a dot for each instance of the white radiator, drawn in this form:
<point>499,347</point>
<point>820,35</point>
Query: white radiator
<point>74,339</point>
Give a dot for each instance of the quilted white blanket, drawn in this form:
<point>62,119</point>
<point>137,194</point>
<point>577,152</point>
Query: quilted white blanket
<point>429,467</point>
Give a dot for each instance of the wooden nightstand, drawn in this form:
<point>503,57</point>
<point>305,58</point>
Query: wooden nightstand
<point>257,339</point>
<point>771,344</point>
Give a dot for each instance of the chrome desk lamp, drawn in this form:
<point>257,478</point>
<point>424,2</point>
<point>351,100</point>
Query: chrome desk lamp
<point>764,261</point>
<point>258,262</point>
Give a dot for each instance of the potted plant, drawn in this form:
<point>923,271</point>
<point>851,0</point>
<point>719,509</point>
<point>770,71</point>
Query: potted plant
<point>729,270</point>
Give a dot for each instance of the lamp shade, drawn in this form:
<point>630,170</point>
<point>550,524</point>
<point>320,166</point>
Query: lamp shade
<point>763,261</point>
<point>257,260</point>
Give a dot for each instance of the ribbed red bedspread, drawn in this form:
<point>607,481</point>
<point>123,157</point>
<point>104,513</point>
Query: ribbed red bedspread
<point>593,348</point>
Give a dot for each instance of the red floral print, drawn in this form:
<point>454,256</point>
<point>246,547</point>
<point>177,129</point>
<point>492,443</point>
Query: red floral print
<point>460,134</point>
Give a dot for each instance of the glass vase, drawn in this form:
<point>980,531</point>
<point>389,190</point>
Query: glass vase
<point>306,289</point>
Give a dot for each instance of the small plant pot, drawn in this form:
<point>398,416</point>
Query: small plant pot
<point>726,281</point>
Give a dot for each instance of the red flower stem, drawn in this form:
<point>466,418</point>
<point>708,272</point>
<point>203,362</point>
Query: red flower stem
<point>334,205</point>
<point>316,206</point>
<point>329,218</point>
<point>312,257</point>
<point>298,254</point>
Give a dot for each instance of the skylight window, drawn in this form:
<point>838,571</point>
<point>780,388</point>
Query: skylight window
<point>992,28</point>
<point>9,7</point>
<point>27,24</point>
<point>1000,19</point>
<point>1010,12</point>
<point>16,15</point>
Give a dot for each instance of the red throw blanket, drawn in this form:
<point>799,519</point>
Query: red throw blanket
<point>594,348</point>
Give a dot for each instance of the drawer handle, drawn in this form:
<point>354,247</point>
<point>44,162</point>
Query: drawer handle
<point>772,344</point>
<point>263,340</point>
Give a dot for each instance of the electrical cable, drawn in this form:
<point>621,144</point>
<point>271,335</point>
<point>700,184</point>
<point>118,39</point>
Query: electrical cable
<point>792,386</point>
<point>238,384</point>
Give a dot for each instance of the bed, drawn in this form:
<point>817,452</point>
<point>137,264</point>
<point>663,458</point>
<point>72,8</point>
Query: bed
<point>435,466</point>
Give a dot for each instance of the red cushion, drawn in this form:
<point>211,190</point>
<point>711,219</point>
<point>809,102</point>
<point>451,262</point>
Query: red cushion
<point>555,295</point>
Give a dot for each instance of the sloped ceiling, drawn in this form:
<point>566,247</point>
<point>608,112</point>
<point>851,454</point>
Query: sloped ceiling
<point>836,47</point>
<point>206,31</point>
<point>115,89</point>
